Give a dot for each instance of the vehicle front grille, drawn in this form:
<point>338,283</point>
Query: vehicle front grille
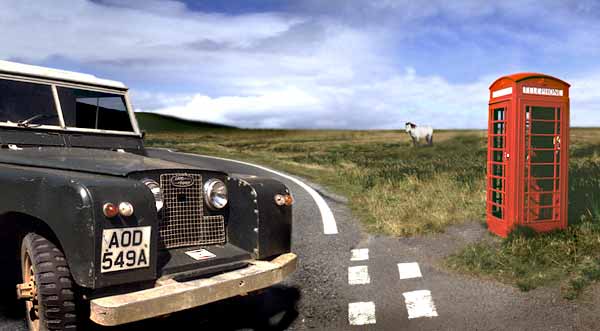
<point>183,222</point>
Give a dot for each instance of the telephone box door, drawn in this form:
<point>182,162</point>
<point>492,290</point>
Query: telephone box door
<point>497,164</point>
<point>543,189</point>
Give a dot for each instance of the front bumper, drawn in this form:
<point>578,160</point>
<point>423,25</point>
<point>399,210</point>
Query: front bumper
<point>171,296</point>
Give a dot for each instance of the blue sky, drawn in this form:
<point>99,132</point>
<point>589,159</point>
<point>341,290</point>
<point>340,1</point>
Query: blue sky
<point>311,63</point>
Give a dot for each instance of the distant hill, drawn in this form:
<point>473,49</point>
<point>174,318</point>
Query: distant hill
<point>152,122</point>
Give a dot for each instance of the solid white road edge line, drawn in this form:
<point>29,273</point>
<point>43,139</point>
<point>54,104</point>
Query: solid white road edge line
<point>359,254</point>
<point>361,313</point>
<point>329,225</point>
<point>358,275</point>
<point>409,270</point>
<point>419,304</point>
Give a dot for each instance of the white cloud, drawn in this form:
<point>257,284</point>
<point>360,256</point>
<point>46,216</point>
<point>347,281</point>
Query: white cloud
<point>325,65</point>
<point>270,107</point>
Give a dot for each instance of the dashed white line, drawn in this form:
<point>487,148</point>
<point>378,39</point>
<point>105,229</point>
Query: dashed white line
<point>409,270</point>
<point>419,304</point>
<point>360,254</point>
<point>329,225</point>
<point>358,275</point>
<point>361,313</point>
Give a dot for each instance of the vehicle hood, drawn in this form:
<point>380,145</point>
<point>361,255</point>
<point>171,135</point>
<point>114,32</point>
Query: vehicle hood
<point>87,160</point>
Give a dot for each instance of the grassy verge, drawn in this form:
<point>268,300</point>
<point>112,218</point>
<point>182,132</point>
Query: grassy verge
<point>570,258</point>
<point>527,260</point>
<point>394,188</point>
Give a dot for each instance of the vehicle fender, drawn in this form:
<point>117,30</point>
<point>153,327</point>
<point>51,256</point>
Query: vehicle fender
<point>256,223</point>
<point>70,204</point>
<point>62,204</point>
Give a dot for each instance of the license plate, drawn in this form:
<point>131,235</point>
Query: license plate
<point>125,248</point>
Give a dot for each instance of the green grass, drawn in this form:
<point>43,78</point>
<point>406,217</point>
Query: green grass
<point>570,258</point>
<point>399,190</point>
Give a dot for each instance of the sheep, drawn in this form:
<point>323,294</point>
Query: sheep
<point>417,133</point>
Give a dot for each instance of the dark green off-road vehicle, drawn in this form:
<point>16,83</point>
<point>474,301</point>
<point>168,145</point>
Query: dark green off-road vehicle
<point>102,228</point>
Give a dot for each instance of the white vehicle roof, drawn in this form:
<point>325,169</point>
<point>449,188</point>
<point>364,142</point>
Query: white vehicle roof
<point>57,74</point>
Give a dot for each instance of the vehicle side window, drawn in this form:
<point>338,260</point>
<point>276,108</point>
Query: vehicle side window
<point>94,110</point>
<point>21,101</point>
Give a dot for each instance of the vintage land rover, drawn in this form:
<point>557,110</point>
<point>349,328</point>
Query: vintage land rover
<point>101,228</point>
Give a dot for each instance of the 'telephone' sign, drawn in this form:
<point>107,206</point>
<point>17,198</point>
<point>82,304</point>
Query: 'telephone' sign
<point>542,91</point>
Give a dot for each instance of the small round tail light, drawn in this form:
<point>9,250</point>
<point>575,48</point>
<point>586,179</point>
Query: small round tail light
<point>125,209</point>
<point>110,210</point>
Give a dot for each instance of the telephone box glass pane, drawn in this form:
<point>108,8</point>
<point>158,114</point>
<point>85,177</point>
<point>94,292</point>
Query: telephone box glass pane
<point>545,214</point>
<point>498,128</point>
<point>497,211</point>
<point>542,113</point>
<point>545,199</point>
<point>497,170</point>
<point>499,114</point>
<point>497,156</point>
<point>542,171</point>
<point>497,184</point>
<point>542,156</point>
<point>546,185</point>
<point>497,197</point>
<point>542,141</point>
<point>498,142</point>
<point>543,127</point>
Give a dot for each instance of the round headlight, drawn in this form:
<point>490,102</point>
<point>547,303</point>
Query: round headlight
<point>154,187</point>
<point>215,193</point>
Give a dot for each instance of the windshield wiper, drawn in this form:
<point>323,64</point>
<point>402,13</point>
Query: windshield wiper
<point>26,123</point>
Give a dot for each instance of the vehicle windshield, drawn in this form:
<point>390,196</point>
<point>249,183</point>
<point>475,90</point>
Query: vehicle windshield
<point>21,101</point>
<point>31,105</point>
<point>94,110</point>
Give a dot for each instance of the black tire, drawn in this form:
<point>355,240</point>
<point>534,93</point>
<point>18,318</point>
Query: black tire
<point>55,298</point>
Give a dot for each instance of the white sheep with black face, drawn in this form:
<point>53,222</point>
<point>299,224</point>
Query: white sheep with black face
<point>420,132</point>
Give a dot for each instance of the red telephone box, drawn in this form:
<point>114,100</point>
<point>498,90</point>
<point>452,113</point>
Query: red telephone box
<point>528,153</point>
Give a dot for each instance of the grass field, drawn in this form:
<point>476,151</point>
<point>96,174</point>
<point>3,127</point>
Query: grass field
<point>399,190</point>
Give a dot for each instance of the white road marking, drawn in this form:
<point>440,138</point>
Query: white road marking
<point>409,270</point>
<point>329,225</point>
<point>360,254</point>
<point>419,304</point>
<point>358,275</point>
<point>361,313</point>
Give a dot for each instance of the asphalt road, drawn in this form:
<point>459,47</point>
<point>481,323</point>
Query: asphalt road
<point>319,295</point>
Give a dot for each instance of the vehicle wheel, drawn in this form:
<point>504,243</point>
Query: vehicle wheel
<point>47,288</point>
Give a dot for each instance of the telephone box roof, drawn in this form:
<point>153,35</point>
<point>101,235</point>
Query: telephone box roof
<point>56,74</point>
<point>527,75</point>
